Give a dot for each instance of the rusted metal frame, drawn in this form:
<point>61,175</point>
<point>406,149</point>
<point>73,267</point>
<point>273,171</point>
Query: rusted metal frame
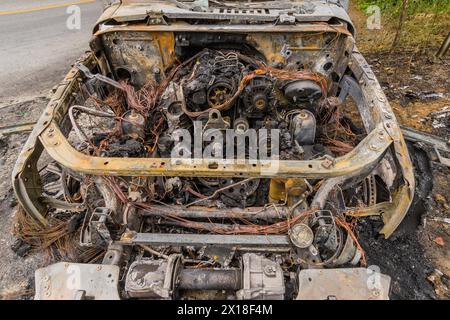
<point>365,154</point>
<point>369,151</point>
<point>390,212</point>
<point>25,176</point>
<point>158,11</point>
<point>172,239</point>
<point>226,28</point>
<point>382,114</point>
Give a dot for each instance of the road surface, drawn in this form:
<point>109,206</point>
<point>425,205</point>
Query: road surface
<point>36,46</point>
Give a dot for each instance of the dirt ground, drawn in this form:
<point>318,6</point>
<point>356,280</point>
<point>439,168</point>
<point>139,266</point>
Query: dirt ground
<point>416,85</point>
<point>16,273</point>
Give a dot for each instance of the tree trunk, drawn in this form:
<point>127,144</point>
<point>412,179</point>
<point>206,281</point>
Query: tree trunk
<point>402,18</point>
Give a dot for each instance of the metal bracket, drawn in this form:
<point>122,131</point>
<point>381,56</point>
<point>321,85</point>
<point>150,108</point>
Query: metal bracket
<point>156,19</point>
<point>98,76</point>
<point>96,232</point>
<point>435,142</point>
<point>285,18</point>
<point>77,281</point>
<point>200,240</point>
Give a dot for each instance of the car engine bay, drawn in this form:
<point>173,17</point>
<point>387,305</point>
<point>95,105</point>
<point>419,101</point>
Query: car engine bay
<point>226,166</point>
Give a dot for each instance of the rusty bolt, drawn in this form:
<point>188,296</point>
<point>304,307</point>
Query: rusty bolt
<point>373,147</point>
<point>269,270</point>
<point>327,163</point>
<point>303,115</point>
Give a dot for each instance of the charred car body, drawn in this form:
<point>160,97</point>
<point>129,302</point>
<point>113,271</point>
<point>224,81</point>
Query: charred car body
<point>218,150</point>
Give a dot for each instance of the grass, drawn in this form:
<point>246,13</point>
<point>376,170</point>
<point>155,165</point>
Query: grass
<point>426,25</point>
<point>414,7</point>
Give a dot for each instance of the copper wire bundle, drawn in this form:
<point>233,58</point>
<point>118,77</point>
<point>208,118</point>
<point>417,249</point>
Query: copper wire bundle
<point>142,100</point>
<point>349,228</point>
<point>289,75</point>
<point>246,228</point>
<point>338,137</point>
<point>38,236</point>
<point>56,238</point>
<point>338,147</point>
<point>14,295</point>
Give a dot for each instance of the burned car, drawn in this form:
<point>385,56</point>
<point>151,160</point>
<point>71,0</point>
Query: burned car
<point>216,150</point>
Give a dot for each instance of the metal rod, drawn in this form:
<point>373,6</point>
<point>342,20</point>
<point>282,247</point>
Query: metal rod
<point>154,252</point>
<point>210,279</point>
<point>431,140</point>
<point>17,128</point>
<point>418,136</point>
<point>251,214</point>
<point>166,239</point>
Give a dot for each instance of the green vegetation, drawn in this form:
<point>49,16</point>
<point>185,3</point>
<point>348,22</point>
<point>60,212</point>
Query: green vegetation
<point>414,6</point>
<point>423,25</point>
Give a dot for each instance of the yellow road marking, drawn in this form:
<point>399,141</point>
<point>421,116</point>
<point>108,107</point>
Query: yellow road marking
<point>50,6</point>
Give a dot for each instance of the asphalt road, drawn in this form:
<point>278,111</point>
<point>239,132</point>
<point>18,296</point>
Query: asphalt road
<point>36,46</point>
